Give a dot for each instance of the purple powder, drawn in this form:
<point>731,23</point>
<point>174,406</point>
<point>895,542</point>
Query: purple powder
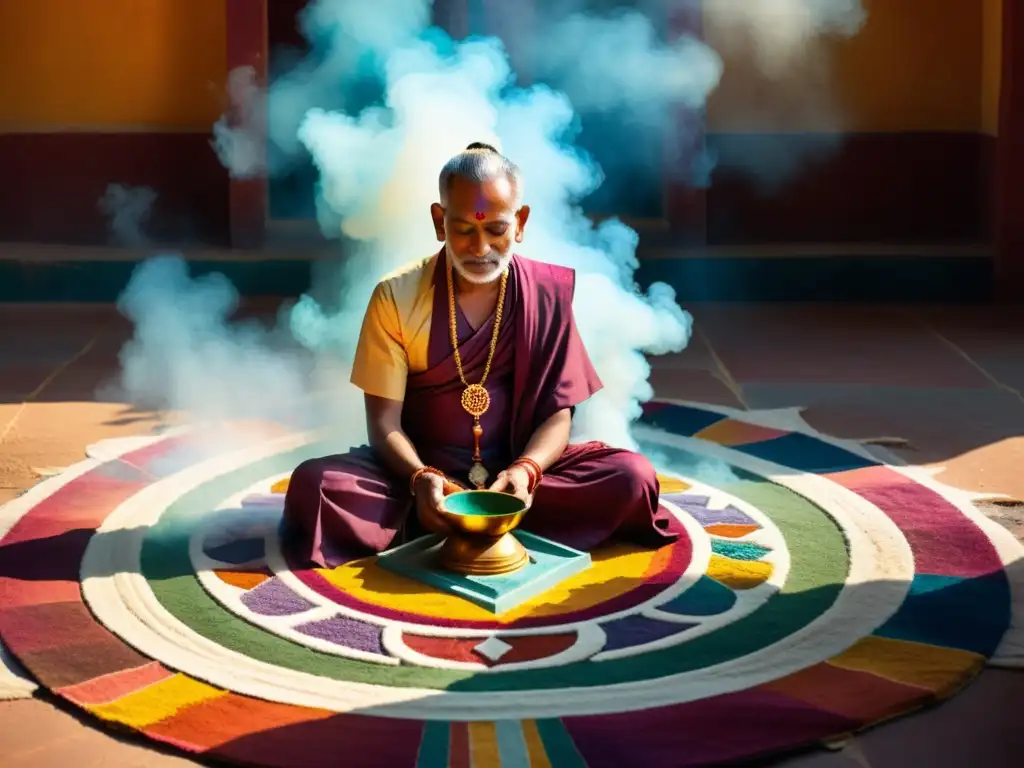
<point>274,598</point>
<point>350,633</point>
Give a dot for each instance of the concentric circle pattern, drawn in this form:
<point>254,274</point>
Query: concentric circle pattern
<point>813,591</point>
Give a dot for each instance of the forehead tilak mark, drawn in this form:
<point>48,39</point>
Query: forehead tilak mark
<point>480,203</point>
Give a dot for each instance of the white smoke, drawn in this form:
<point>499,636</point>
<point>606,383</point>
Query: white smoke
<point>192,357</point>
<point>617,61</point>
<point>378,173</point>
<point>239,136</point>
<point>127,210</point>
<point>379,176</point>
<point>782,35</point>
<point>352,40</point>
<point>780,58</point>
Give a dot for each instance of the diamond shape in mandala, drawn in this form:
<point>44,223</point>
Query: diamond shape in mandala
<point>493,648</point>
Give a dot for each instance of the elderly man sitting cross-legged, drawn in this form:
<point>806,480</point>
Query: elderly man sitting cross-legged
<point>471,365</point>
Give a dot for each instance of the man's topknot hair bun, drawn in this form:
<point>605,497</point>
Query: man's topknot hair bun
<point>478,163</point>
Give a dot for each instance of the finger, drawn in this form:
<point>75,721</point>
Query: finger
<point>432,517</point>
<point>436,492</point>
<point>501,483</point>
<point>515,487</point>
<point>440,523</point>
<point>522,486</point>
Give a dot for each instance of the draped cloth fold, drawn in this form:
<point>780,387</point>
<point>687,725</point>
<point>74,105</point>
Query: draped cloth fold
<point>345,505</point>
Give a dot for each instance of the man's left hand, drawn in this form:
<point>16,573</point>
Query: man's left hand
<point>516,481</point>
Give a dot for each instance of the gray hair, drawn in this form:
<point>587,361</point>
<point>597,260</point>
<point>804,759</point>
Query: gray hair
<point>478,163</point>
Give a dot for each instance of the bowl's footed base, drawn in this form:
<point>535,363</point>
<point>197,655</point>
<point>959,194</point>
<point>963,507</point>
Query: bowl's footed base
<point>482,555</point>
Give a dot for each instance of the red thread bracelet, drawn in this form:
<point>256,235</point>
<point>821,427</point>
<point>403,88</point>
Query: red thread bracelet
<point>418,473</point>
<point>532,469</point>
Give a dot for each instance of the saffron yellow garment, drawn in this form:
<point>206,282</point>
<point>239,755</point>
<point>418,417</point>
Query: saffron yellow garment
<point>395,336</point>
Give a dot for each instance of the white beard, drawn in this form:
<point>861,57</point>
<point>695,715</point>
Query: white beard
<point>499,261</point>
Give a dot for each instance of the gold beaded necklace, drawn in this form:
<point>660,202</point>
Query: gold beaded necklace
<point>475,398</point>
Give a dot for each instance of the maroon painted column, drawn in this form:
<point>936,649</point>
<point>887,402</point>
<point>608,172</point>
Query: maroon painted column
<point>247,47</point>
<point>1009,161</point>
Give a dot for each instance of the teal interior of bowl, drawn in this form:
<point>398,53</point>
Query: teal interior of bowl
<point>486,503</point>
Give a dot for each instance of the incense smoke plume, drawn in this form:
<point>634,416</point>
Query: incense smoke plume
<point>378,169</point>
<point>783,35</point>
<point>782,83</point>
<point>127,210</point>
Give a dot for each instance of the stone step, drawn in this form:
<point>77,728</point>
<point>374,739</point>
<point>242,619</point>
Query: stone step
<point>771,272</point>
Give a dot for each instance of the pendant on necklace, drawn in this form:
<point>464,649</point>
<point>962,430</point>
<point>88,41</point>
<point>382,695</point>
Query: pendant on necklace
<point>478,476</point>
<point>476,400</point>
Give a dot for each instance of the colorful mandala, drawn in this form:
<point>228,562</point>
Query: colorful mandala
<point>816,591</point>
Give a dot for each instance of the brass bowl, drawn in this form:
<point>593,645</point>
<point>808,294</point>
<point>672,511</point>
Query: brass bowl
<point>489,513</point>
<point>481,542</point>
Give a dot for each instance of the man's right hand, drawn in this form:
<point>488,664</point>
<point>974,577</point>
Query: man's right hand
<point>430,492</point>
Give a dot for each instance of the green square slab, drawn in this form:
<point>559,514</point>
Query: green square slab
<point>550,564</point>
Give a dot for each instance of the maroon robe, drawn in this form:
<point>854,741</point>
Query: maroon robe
<point>341,506</point>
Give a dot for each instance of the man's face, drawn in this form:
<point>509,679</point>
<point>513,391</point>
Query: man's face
<point>479,227</point>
